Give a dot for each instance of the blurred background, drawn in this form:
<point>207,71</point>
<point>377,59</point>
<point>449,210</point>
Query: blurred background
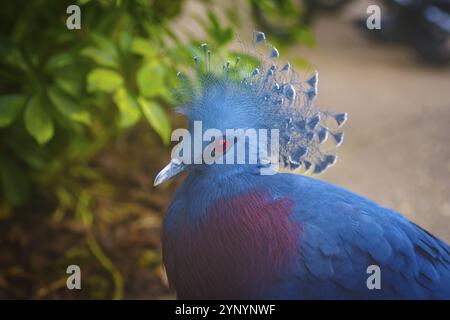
<point>86,117</point>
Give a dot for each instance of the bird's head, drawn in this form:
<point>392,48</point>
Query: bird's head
<point>260,116</point>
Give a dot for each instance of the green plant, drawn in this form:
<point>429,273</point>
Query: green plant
<point>65,93</point>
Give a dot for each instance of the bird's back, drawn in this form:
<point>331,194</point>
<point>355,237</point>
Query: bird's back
<point>345,237</point>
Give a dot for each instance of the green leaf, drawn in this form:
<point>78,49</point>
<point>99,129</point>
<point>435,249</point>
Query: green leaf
<point>38,122</point>
<point>15,58</point>
<point>72,86</point>
<point>103,52</point>
<point>128,107</point>
<point>104,80</point>
<point>68,106</point>
<point>105,45</point>
<point>143,47</point>
<point>99,57</point>
<point>305,36</point>
<point>14,183</point>
<point>221,35</point>
<point>10,106</point>
<point>125,41</point>
<point>59,61</point>
<point>150,79</point>
<point>157,118</point>
<point>302,63</point>
<point>28,150</point>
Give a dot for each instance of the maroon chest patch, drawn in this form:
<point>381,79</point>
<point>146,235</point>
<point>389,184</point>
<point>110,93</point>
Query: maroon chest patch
<point>236,251</point>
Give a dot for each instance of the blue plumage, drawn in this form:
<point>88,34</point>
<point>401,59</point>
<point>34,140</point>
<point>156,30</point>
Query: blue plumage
<point>231,232</point>
<point>342,234</point>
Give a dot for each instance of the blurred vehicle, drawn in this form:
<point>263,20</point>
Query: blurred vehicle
<point>422,25</point>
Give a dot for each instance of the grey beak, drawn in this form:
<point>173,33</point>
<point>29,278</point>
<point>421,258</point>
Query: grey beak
<point>174,167</point>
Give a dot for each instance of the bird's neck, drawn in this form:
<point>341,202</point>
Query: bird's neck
<point>237,249</point>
